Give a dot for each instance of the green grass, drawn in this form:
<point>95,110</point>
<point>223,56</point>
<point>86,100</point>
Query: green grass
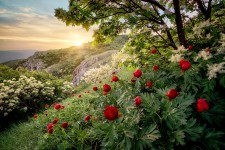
<point>23,136</point>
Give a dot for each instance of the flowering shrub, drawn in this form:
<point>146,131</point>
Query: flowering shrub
<point>27,95</point>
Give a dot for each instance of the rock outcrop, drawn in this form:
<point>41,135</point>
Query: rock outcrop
<point>33,63</point>
<point>92,62</point>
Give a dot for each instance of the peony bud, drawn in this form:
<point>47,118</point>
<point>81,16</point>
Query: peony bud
<point>106,88</point>
<point>87,118</point>
<point>149,84</point>
<point>64,125</point>
<point>57,106</point>
<point>153,51</point>
<point>115,78</point>
<point>185,64</point>
<point>172,93</point>
<point>35,116</point>
<point>190,47</point>
<point>137,101</point>
<point>202,105</point>
<point>155,68</point>
<point>95,88</point>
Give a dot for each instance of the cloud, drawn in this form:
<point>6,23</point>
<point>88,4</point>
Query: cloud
<point>2,11</point>
<point>26,27</point>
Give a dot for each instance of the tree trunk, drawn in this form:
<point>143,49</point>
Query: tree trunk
<point>179,24</point>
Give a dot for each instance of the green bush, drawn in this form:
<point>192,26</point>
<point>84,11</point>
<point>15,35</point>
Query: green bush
<point>7,73</point>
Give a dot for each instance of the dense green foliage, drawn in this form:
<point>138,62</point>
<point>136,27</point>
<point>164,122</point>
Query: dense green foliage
<point>7,73</point>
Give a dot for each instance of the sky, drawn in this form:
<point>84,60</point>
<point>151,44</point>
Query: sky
<point>31,25</point>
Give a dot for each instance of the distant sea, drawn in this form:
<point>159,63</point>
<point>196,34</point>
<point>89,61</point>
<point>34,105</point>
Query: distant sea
<point>15,54</point>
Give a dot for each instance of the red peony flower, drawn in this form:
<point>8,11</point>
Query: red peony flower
<point>50,126</point>
<point>137,73</point>
<point>202,105</point>
<point>50,131</point>
<point>115,78</point>
<point>155,68</point>
<point>137,101</point>
<point>87,118</point>
<point>95,88</point>
<point>111,112</point>
<point>57,106</point>
<point>62,107</point>
<point>185,64</point>
<point>106,88</point>
<point>153,51</point>
<point>133,80</point>
<point>64,125</point>
<point>190,47</point>
<point>35,116</point>
<point>172,93</point>
<point>55,120</point>
<point>149,84</point>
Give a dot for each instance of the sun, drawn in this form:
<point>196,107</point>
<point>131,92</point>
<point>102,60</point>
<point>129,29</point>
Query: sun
<point>78,43</point>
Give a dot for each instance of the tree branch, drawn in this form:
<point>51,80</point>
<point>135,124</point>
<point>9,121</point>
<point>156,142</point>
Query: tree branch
<point>156,4</point>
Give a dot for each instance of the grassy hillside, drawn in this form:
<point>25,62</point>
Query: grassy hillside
<point>62,62</point>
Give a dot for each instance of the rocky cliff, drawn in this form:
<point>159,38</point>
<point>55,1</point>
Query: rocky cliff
<point>92,62</point>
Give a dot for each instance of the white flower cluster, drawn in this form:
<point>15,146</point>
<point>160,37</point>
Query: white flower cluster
<point>179,54</point>
<point>67,87</point>
<point>176,58</point>
<point>214,69</point>
<point>118,58</point>
<point>97,74</point>
<point>15,94</point>
<point>198,27</point>
<point>222,40</point>
<point>204,54</point>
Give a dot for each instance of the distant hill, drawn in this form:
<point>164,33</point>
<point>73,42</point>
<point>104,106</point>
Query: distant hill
<point>15,54</point>
<point>62,62</point>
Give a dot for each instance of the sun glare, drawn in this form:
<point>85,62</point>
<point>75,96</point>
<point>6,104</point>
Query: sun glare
<point>78,43</point>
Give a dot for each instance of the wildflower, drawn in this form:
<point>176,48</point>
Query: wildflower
<point>149,84</point>
<point>106,88</point>
<point>87,118</point>
<point>214,69</point>
<point>137,101</point>
<point>57,106</point>
<point>95,88</point>
<point>155,68</point>
<point>111,112</point>
<point>172,93</point>
<point>202,105</point>
<point>185,64</point>
<point>137,73</point>
<point>64,125</point>
<point>115,78</point>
